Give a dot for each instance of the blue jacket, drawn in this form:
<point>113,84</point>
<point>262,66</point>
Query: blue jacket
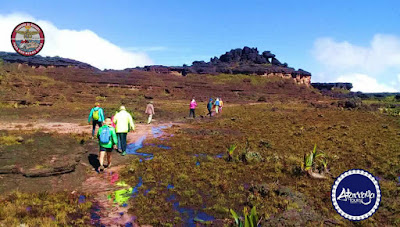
<point>101,114</point>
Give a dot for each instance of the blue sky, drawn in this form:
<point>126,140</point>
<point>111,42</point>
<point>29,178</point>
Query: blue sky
<point>300,33</point>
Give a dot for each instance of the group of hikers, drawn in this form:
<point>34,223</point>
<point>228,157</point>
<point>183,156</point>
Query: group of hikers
<point>113,131</point>
<point>113,134</point>
<point>213,107</point>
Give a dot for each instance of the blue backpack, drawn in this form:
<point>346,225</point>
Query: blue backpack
<point>105,135</point>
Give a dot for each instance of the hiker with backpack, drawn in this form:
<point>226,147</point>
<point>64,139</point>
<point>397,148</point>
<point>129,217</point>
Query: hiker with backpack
<point>96,116</point>
<point>107,141</point>
<point>216,103</point>
<point>123,124</point>
<point>221,104</point>
<point>210,106</point>
<point>192,106</point>
<point>150,111</point>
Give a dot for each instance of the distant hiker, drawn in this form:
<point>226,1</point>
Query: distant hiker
<point>210,106</point>
<point>150,111</point>
<point>123,124</point>
<point>216,103</point>
<point>107,141</point>
<point>96,116</point>
<point>112,119</point>
<point>221,104</point>
<point>193,106</point>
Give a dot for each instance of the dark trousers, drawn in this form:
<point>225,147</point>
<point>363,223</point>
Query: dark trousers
<point>192,113</point>
<point>122,141</point>
<point>94,123</point>
<point>209,112</point>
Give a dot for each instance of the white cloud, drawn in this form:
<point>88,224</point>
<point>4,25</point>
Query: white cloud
<point>382,53</point>
<point>365,83</point>
<point>371,68</point>
<point>83,45</point>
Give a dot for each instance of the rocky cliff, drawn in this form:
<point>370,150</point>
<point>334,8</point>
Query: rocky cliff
<point>39,61</point>
<point>240,61</point>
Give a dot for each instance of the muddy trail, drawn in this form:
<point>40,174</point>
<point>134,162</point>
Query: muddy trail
<point>110,195</point>
<point>108,209</point>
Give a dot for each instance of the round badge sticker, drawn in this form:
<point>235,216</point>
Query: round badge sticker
<point>356,194</point>
<point>27,39</point>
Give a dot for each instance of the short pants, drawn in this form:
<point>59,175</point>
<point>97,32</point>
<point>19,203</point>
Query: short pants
<point>106,149</point>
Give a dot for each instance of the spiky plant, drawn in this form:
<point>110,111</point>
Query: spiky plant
<point>231,149</point>
<point>250,219</point>
<point>309,163</point>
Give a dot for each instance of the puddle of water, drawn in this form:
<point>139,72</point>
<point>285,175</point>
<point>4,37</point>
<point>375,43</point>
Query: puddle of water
<point>220,155</point>
<point>170,186</point>
<point>94,215</point>
<point>122,196</point>
<point>191,216</point>
<point>82,199</point>
<point>158,131</point>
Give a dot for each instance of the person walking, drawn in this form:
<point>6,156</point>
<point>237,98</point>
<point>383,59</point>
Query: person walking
<point>210,106</point>
<point>150,111</point>
<point>107,141</point>
<point>96,115</point>
<point>216,103</point>
<point>123,124</point>
<point>193,106</point>
<point>221,104</point>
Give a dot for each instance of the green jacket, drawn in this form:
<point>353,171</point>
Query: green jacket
<point>113,139</point>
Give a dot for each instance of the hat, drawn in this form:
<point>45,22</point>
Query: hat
<point>151,102</point>
<point>210,99</point>
<point>122,108</point>
<point>108,121</point>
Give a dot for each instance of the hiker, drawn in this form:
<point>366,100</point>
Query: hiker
<point>97,117</point>
<point>123,124</point>
<point>150,111</point>
<point>193,106</point>
<point>209,106</point>
<point>216,103</point>
<point>221,104</point>
<point>112,119</point>
<point>107,141</point>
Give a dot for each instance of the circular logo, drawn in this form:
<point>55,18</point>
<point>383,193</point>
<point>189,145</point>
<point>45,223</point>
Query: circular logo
<point>27,39</point>
<point>356,194</point>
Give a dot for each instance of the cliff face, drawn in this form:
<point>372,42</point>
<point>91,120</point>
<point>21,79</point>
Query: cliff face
<point>330,86</point>
<point>39,61</point>
<point>240,61</point>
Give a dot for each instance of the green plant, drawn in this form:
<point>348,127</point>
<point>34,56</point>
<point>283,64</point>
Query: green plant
<point>250,220</point>
<point>231,149</point>
<point>310,162</point>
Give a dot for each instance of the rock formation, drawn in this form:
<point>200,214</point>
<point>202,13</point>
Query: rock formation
<point>240,61</point>
<point>39,61</point>
<point>331,86</point>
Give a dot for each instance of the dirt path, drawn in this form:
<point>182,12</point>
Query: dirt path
<point>100,186</point>
<point>105,211</point>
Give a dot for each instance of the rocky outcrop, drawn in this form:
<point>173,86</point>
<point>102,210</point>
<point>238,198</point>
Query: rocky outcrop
<point>331,86</point>
<point>239,61</point>
<point>38,61</point>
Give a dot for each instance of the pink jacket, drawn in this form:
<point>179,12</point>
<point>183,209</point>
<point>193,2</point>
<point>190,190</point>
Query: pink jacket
<point>193,105</point>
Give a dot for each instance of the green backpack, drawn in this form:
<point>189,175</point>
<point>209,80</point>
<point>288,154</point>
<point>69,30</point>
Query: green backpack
<point>96,115</point>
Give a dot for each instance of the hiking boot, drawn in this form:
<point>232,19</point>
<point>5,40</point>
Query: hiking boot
<point>109,165</point>
<point>123,153</point>
<point>101,168</point>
